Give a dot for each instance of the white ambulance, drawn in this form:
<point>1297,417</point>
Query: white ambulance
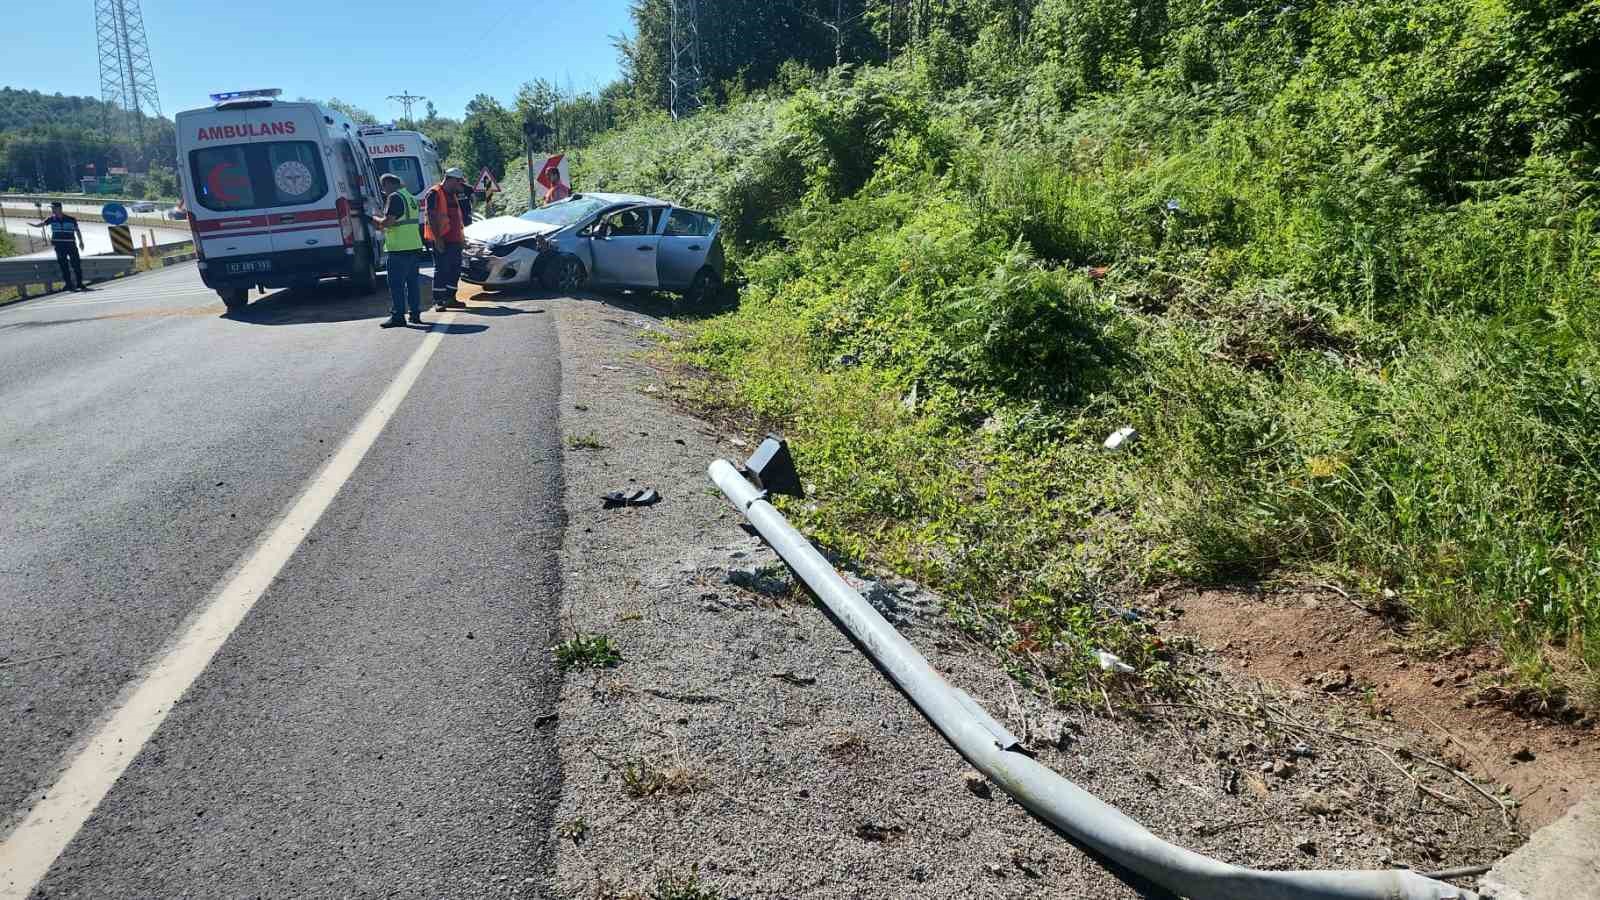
<point>406,154</point>
<point>278,195</point>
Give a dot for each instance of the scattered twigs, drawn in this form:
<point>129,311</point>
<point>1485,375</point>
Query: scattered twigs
<point>1458,872</point>
<point>1464,778</point>
<point>1214,830</point>
<point>1348,599</point>
<point>1417,782</point>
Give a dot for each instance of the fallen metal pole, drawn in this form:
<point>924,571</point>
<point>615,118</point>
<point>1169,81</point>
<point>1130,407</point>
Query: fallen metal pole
<point>993,750</point>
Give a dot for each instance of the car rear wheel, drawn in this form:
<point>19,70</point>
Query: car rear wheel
<point>234,298</point>
<point>564,274</point>
<point>705,287</point>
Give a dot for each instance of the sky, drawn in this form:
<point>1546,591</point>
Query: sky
<point>329,48</point>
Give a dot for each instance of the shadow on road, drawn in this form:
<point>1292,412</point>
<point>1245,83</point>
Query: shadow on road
<point>322,303</point>
<point>454,328</point>
<point>664,305</point>
<point>498,311</point>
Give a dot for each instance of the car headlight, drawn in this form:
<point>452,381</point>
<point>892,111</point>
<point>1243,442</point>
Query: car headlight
<point>537,243</point>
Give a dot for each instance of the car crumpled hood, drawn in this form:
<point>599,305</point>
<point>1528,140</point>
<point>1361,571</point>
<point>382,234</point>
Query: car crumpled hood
<point>504,229</point>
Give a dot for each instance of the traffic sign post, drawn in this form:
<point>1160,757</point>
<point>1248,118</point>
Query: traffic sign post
<point>114,214</point>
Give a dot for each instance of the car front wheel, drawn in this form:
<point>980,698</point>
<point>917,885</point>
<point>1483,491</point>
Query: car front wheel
<point>564,274</point>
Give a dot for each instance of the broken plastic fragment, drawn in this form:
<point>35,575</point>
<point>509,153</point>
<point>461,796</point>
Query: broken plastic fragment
<point>1121,438</point>
<point>639,497</point>
<point>1110,662</point>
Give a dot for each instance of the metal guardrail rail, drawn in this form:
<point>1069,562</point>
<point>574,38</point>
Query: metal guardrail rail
<point>998,754</point>
<point>23,272</point>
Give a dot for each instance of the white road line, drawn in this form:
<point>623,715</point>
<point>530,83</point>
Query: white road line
<point>95,765</point>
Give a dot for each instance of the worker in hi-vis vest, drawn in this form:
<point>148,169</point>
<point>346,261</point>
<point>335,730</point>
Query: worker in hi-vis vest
<point>443,228</point>
<point>402,240</point>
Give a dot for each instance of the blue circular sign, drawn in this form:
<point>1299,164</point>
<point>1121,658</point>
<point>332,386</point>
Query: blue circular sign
<point>114,213</point>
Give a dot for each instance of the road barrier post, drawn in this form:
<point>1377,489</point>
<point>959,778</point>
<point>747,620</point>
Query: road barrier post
<point>121,239</point>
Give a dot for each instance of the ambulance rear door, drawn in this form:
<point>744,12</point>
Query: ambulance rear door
<point>402,154</point>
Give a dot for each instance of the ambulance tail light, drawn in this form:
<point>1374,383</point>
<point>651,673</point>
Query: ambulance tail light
<point>194,232</point>
<point>347,225</point>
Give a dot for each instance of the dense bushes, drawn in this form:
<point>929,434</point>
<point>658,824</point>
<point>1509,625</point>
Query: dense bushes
<point>1338,262</point>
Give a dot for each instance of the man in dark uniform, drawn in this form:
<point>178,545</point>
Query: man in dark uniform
<point>67,239</point>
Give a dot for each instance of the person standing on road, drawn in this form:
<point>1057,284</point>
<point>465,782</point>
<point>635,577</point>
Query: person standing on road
<point>67,239</point>
<point>403,242</point>
<point>464,199</point>
<point>444,228</point>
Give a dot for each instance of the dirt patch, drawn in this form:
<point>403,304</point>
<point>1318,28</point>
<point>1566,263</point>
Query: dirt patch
<point>1318,643</point>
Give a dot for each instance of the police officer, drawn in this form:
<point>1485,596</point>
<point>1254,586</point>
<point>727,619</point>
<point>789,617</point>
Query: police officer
<point>443,227</point>
<point>67,239</point>
<point>403,242</point>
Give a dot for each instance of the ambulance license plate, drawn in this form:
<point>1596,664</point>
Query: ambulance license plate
<point>249,265</point>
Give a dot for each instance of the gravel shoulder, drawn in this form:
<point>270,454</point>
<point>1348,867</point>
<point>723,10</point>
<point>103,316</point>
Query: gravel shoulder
<point>744,746</point>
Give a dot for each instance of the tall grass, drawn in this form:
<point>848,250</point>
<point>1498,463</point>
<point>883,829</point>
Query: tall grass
<point>1346,358</point>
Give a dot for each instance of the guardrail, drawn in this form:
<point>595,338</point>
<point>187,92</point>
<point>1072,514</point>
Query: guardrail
<point>20,273</point>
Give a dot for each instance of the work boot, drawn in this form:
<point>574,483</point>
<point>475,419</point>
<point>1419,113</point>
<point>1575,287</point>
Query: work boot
<point>392,322</point>
<point>416,319</point>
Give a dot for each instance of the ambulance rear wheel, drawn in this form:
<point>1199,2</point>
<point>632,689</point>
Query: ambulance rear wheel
<point>234,298</point>
<point>364,280</point>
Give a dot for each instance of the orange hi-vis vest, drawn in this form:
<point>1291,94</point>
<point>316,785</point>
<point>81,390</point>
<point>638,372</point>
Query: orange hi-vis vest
<point>445,220</point>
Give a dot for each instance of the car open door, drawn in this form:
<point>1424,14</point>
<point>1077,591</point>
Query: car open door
<point>623,246</point>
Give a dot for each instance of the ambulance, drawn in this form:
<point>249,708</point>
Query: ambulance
<point>277,195</point>
<point>408,155</point>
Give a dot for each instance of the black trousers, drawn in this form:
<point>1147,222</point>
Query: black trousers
<point>446,271</point>
<point>71,264</point>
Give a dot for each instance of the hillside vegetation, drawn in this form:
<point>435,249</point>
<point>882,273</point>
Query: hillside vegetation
<point>1337,262</point>
<point>45,138</point>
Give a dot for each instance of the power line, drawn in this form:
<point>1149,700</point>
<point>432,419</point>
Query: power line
<point>407,99</point>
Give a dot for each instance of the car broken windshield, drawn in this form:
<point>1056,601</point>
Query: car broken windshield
<point>569,212</point>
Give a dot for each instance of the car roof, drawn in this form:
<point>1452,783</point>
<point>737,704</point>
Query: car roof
<point>628,199</point>
<point>625,198</point>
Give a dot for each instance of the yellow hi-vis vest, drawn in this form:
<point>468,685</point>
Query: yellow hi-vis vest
<point>405,234</point>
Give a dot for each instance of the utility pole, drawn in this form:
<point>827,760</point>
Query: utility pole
<point>407,100</point>
<point>685,74</point>
<point>838,33</point>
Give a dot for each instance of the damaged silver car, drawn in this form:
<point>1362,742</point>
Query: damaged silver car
<point>599,240</point>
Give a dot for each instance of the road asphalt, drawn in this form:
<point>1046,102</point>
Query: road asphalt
<point>371,727</point>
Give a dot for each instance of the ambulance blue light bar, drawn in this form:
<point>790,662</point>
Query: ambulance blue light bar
<point>243,95</point>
